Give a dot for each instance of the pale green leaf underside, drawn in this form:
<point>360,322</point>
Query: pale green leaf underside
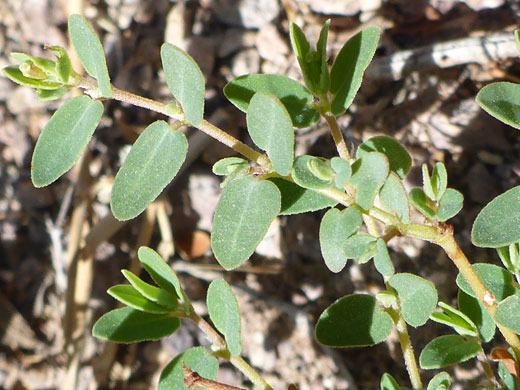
<point>394,199</point>
<point>225,315</point>
<point>502,100</point>
<point>244,212</point>
<point>441,381</point>
<point>389,383</point>
<point>368,175</point>
<point>398,157</point>
<point>64,138</point>
<point>90,52</point>
<point>446,351</point>
<point>304,177</point>
<point>185,81</point>
<point>498,280</point>
<point>382,259</point>
<point>153,161</point>
<point>508,312</point>
<point>271,129</point>
<point>450,204</point>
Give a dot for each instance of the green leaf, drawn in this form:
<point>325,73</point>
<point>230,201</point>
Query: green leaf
<point>185,81</point>
<point>394,199</point>
<point>427,183</point>
<point>320,167</point>
<point>128,325</point>
<point>501,100</point>
<point>343,171</point>
<point>357,246</point>
<point>270,128</point>
<point>304,176</point>
<point>63,65</point>
<point>43,64</point>
<point>419,200</point>
<point>154,294</point>
<point>64,138</point>
<point>162,274</point>
<point>13,73</point>
<point>382,260</point>
<point>153,161</point>
<point>398,157</point>
<point>508,312</point>
<point>517,38</point>
<point>446,351</point>
<point>478,314</point>
<point>450,204</point>
<point>439,180</point>
<point>353,321</point>
<point>225,315</point>
<point>197,359</point>
<point>336,226</point>
<point>90,52</point>
<point>455,319</point>
<point>296,200</point>
<point>441,381</point>
<point>321,49</point>
<point>418,297</point>
<point>495,278</point>
<point>389,383</point>
<point>498,224</point>
<point>348,68</point>
<point>295,97</point>
<point>228,165</point>
<point>128,295</point>
<point>369,173</point>
<point>45,95</point>
<point>244,212</point>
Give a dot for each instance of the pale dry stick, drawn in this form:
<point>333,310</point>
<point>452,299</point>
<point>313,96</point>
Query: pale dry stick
<point>339,141</point>
<point>479,50</point>
<point>166,247</point>
<point>192,379</point>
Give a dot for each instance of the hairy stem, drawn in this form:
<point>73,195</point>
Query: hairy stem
<point>341,146</point>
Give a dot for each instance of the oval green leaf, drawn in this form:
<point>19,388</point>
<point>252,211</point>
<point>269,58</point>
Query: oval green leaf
<point>348,68</point>
<point>420,201</point>
<point>128,325</point>
<point>441,381</point>
<point>197,359</point>
<point>270,128</point>
<point>508,312</point>
<point>152,293</point>
<point>394,199</point>
<point>90,52</point>
<point>295,97</point>
<point>382,260</point>
<point>225,315</point>
<point>501,100</point>
<point>450,204</point>
<point>389,383</point>
<point>478,314</point>
<point>446,351</point>
<point>244,212</point>
<point>304,177</point>
<point>353,321</point>
<point>360,247</point>
<point>495,278</point>
<point>398,157</point>
<point>64,138</point>
<point>296,200</point>
<point>336,226</point>
<point>228,165</point>
<point>343,171</point>
<point>498,224</point>
<point>128,295</point>
<point>369,173</point>
<point>13,73</point>
<point>153,161</point>
<point>185,81</point>
<point>418,297</point>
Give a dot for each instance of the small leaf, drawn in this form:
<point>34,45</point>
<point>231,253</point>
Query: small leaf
<point>304,177</point>
<point>128,325</point>
<point>128,295</point>
<point>153,162</point>
<point>64,138</point>
<point>502,100</point>
<point>357,246</point>
<point>227,165</point>
<point>398,157</point>
<point>336,226</point>
<point>498,224</point>
<point>225,315</point>
<point>441,381</point>
<point>439,180</point>
<point>295,97</point>
<point>427,183</point>
<point>162,274</point>
<point>455,319</point>
<point>394,199</point>
<point>418,297</point>
<point>320,167</point>
<point>389,383</point>
<point>270,127</point>
<point>13,73</point>
<point>43,64</point>
<point>244,212</point>
<point>450,204</point>
<point>185,81</point>
<point>343,171</point>
<point>45,95</point>
<point>63,65</point>
<point>478,314</point>
<point>446,351</point>
<point>154,294</point>
<point>419,200</point>
<point>517,38</point>
<point>495,278</point>
<point>353,321</point>
<point>90,52</point>
<point>197,359</point>
<point>296,200</point>
<point>348,68</point>
<point>508,368</point>
<point>382,260</point>
<point>368,175</point>
<point>508,312</point>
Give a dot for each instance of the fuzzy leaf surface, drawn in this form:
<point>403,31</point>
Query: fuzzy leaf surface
<point>508,312</point>
<point>389,383</point>
<point>419,200</point>
<point>451,203</point>
<point>495,278</point>
<point>446,351</point>
<point>382,260</point>
<point>394,199</point>
<point>501,100</point>
<point>304,176</point>
<point>357,246</point>
<point>368,175</point>
<point>398,157</point>
<point>441,381</point>
<point>472,307</point>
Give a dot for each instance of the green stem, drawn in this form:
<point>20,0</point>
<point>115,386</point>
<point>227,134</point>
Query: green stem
<point>339,141</point>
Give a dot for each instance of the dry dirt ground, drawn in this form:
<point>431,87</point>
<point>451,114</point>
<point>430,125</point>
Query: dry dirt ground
<point>48,302</point>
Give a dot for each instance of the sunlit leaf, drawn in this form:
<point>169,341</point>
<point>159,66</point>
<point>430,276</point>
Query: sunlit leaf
<point>368,175</point>
<point>495,278</point>
<point>450,204</point>
<point>446,351</point>
<point>394,199</point>
<point>305,177</point>
<point>441,381</point>
<point>508,312</point>
<point>502,100</point>
<point>420,201</point>
<point>382,260</point>
<point>128,295</point>
<point>154,294</point>
<point>476,311</point>
<point>398,157</point>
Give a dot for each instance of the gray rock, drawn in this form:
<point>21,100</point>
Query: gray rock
<point>245,13</point>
